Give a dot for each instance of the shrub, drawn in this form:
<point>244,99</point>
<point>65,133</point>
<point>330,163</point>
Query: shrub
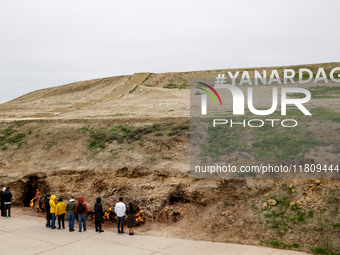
<point>17,138</point>
<point>275,243</point>
<point>182,126</point>
<point>171,86</point>
<point>301,217</point>
<point>310,214</point>
<point>318,250</point>
<point>98,140</point>
<point>8,131</point>
<point>336,225</point>
<point>116,137</point>
<point>98,136</point>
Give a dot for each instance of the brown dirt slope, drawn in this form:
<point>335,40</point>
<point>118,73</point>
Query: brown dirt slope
<point>158,100</point>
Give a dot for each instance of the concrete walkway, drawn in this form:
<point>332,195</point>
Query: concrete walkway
<point>19,236</point>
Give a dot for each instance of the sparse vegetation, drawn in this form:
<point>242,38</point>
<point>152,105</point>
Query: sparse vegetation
<point>282,147</point>
<point>8,132</point>
<point>9,137</point>
<point>283,218</point>
<point>125,133</point>
<point>120,114</point>
<point>326,251</point>
<point>179,128</point>
<point>278,244</point>
<point>310,214</point>
<point>266,145</point>
<point>17,138</point>
<point>147,78</point>
<point>175,86</point>
<point>171,86</point>
<point>320,92</point>
<point>134,89</point>
<point>97,140</point>
<point>336,225</point>
<point>184,86</point>
<point>115,152</point>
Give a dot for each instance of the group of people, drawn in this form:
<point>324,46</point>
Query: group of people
<point>58,210</point>
<point>6,198</point>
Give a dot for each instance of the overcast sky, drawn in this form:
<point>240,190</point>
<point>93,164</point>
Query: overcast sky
<point>50,43</point>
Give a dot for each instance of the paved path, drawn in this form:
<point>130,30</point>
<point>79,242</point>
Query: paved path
<point>19,236</point>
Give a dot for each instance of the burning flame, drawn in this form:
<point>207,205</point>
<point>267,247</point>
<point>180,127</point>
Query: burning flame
<point>106,217</point>
<point>36,195</point>
<point>107,214</point>
<point>139,216</point>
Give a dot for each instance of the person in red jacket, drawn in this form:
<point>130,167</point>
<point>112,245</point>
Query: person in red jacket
<point>81,210</point>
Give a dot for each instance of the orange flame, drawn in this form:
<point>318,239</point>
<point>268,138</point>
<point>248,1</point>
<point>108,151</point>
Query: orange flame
<point>139,216</point>
<point>107,214</point>
<point>36,195</point>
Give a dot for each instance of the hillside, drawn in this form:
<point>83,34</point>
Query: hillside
<point>130,136</point>
<point>163,94</point>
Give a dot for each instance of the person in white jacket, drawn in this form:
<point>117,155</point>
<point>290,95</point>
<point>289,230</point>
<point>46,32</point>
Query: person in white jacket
<point>120,210</point>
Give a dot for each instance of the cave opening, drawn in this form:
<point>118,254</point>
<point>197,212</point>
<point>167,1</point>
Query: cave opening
<point>33,192</point>
<point>177,197</point>
<point>30,191</point>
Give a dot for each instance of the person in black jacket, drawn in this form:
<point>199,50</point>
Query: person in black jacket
<point>2,203</point>
<point>47,210</point>
<point>98,214</point>
<point>7,197</point>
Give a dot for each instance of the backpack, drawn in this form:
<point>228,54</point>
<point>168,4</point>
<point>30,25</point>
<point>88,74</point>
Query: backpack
<point>80,208</point>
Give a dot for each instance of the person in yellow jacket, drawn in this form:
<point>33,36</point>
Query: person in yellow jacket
<point>52,211</point>
<point>60,211</point>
